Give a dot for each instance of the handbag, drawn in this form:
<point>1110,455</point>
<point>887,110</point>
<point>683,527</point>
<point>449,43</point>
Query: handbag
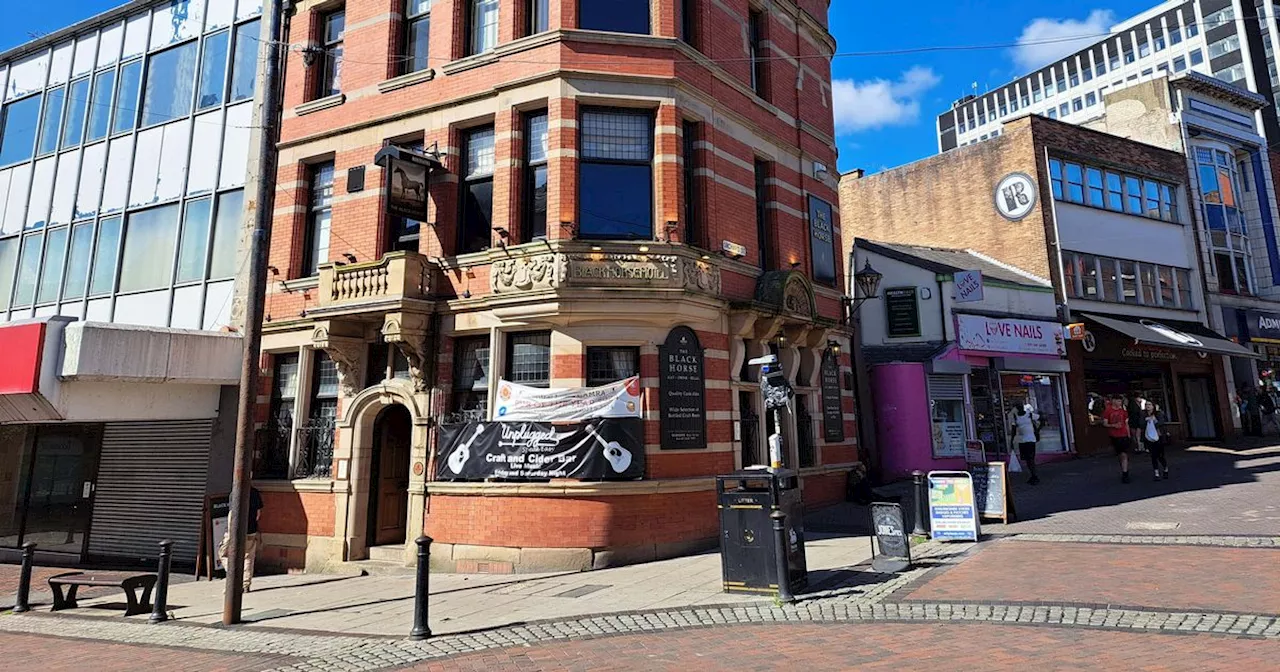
<point>1152,435</point>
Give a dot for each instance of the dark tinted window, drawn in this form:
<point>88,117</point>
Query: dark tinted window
<point>619,16</point>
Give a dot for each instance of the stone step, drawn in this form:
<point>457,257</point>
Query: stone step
<point>391,553</point>
<point>378,568</point>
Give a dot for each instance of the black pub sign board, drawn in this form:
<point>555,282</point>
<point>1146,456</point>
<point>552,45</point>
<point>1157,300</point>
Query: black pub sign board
<point>832,409</point>
<point>682,390</point>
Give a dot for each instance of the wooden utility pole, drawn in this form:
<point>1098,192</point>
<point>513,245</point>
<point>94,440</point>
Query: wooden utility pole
<point>268,115</point>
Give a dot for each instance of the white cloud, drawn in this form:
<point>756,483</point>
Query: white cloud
<point>1044,40</point>
<point>876,103</point>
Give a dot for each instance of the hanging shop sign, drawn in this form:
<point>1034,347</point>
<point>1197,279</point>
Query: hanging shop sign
<point>997,334</point>
<point>682,388</point>
<point>407,174</point>
<point>822,241</point>
<point>832,405</point>
<point>537,404</point>
<point>953,512</point>
<point>600,449</point>
<point>968,286</point>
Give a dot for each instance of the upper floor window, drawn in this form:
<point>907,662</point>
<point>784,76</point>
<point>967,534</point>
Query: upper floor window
<point>689,22</point>
<point>482,22</point>
<point>476,216</point>
<point>18,135</point>
<point>244,61</point>
<point>756,44</point>
<point>1092,186</point>
<point>1219,190</point>
<point>1088,276</point>
<point>470,377</point>
<point>333,27</point>
<point>169,86</point>
<point>607,365</point>
<point>618,16</point>
<point>616,174</point>
<point>692,196</point>
<point>764,232</point>
<point>417,31</point>
<point>529,358</point>
<point>539,16</point>
<point>1219,18</point>
<point>125,114</point>
<point>213,70</point>
<point>319,218</point>
<point>533,223</point>
<point>1224,46</point>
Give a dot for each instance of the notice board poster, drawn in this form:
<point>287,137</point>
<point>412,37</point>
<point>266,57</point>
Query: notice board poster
<point>682,384</point>
<point>953,514</point>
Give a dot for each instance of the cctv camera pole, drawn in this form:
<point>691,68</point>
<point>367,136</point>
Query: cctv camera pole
<point>261,207</point>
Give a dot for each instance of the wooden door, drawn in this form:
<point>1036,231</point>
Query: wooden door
<point>392,478</point>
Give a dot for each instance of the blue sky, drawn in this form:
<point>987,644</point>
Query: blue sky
<point>885,104</point>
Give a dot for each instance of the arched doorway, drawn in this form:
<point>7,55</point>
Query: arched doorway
<point>389,477</point>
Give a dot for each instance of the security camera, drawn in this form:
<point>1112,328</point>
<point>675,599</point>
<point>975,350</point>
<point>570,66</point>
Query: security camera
<point>767,360</point>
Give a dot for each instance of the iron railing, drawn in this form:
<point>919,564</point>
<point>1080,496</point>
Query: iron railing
<point>315,449</point>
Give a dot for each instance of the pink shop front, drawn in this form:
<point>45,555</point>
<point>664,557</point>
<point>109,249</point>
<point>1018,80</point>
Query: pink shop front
<point>927,410</point>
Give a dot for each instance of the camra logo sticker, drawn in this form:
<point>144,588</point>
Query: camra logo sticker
<point>1015,196</point>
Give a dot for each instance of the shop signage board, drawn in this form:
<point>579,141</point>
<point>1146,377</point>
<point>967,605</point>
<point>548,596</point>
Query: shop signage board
<point>1263,327</point>
<point>891,549</point>
<point>538,404</point>
<point>832,405</point>
<point>213,526</point>
<point>1015,196</point>
<point>407,188</point>
<point>902,312</point>
<point>953,513</point>
<point>599,449</point>
<point>822,241</point>
<point>682,390</point>
<point>991,490</point>
<point>968,286</point>
<point>1006,334</point>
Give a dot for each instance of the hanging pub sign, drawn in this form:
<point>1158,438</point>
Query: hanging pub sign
<point>600,449</point>
<point>682,390</point>
<point>822,241</point>
<point>832,406</point>
<point>566,404</point>
<point>408,174</point>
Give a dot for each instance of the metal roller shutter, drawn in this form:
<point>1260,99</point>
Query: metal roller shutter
<point>151,485</point>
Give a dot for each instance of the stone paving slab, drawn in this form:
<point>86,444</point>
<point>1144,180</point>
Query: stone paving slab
<point>1195,578</point>
<point>37,652</point>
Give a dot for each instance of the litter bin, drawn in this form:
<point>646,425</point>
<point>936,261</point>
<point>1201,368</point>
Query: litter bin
<point>745,499</point>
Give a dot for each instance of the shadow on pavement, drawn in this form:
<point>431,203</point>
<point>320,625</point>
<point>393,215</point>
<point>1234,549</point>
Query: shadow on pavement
<point>1094,482</point>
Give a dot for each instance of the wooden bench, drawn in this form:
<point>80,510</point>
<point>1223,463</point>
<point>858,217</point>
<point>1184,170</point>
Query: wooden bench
<point>129,583</point>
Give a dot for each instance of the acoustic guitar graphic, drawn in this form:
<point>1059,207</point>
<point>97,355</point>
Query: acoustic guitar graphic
<point>458,458</point>
<point>619,458</point>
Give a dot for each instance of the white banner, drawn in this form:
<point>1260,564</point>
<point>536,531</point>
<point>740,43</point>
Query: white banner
<point>568,404</point>
<point>991,334</point>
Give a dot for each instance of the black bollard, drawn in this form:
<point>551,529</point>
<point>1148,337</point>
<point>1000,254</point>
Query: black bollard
<point>780,555</point>
<point>23,602</point>
<point>159,612</point>
<point>921,504</point>
<point>420,629</point>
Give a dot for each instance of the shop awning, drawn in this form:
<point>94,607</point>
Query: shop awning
<point>1178,335</point>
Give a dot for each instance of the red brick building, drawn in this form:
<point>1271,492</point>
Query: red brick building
<point>608,173</point>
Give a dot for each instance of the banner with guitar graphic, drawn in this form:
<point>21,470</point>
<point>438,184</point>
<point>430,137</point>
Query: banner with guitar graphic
<point>568,404</point>
<point>599,449</point>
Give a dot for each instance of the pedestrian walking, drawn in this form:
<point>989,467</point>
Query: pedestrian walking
<point>1025,433</point>
<point>1267,409</point>
<point>1116,419</point>
<point>1136,409</point>
<point>1156,441</point>
<point>251,541</point>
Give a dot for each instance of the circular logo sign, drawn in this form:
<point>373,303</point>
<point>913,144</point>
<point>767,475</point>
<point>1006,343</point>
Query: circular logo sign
<point>1015,196</point>
<point>417,468</point>
<point>1090,344</point>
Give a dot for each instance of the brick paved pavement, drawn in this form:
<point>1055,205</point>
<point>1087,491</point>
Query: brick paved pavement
<point>1164,577</point>
<point>879,646</point>
<point>36,652</point>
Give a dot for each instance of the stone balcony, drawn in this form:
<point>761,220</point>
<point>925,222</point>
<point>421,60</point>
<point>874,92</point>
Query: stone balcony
<point>397,281</point>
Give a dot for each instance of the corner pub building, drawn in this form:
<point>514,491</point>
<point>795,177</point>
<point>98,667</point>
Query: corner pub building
<point>611,191</point>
